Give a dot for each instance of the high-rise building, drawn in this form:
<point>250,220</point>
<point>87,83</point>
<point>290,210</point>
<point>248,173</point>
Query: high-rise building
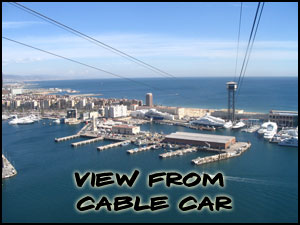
<point>149,99</point>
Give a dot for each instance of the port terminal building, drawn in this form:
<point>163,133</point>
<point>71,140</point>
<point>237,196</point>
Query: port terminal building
<point>284,118</point>
<point>125,129</point>
<point>203,140</point>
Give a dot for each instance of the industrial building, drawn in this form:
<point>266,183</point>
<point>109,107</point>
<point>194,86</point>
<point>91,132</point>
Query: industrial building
<point>284,118</point>
<point>125,129</point>
<point>208,140</point>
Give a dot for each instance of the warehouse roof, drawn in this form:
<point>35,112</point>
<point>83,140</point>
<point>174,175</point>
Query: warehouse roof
<point>200,137</point>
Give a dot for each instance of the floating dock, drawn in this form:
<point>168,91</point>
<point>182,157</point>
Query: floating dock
<point>178,152</point>
<point>67,138</point>
<point>235,150</point>
<point>101,148</point>
<point>132,151</point>
<point>87,141</point>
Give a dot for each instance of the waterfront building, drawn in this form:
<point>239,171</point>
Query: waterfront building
<point>82,103</point>
<point>101,112</point>
<point>203,140</point>
<point>72,113</point>
<point>115,111</point>
<point>149,99</point>
<point>284,118</point>
<point>125,129</point>
<point>90,106</point>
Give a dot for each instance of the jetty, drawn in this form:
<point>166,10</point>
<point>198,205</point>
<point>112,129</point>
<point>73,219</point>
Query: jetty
<point>132,151</point>
<point>87,141</point>
<point>67,138</point>
<point>178,152</point>
<point>234,151</point>
<point>7,168</point>
<point>101,148</point>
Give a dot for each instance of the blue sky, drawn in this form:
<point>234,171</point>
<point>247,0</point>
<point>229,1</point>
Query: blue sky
<point>184,39</point>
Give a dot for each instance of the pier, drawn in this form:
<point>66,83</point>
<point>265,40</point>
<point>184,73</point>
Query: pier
<point>7,168</point>
<point>178,152</point>
<point>235,150</point>
<point>87,141</point>
<point>101,148</point>
<point>67,138</point>
<point>132,151</point>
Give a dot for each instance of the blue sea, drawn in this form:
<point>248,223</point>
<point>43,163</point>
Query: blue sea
<point>257,94</point>
<point>262,182</point>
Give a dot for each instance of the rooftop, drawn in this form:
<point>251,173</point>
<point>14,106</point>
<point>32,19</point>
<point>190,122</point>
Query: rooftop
<point>124,126</point>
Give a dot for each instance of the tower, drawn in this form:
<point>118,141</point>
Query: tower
<point>149,99</point>
<point>231,87</point>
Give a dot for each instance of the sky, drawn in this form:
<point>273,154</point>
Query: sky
<point>195,39</point>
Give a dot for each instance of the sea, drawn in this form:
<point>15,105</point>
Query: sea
<point>262,183</point>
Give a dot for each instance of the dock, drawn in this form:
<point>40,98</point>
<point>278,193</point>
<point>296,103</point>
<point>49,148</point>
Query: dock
<point>132,151</point>
<point>7,168</point>
<point>87,141</point>
<point>178,152</point>
<point>236,150</point>
<point>101,148</point>
<point>67,138</point>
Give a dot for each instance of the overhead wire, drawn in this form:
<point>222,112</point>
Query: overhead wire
<point>237,49</point>
<point>241,82</point>
<point>95,41</point>
<point>81,63</point>
<point>249,41</point>
<point>91,39</point>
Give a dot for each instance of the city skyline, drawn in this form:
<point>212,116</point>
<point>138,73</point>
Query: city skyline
<point>183,39</point>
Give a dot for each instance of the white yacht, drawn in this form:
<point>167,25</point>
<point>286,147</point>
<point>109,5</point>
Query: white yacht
<point>238,125</point>
<point>263,128</point>
<point>208,120</point>
<point>228,124</point>
<point>270,131</point>
<point>21,121</point>
<point>57,121</point>
<point>292,141</point>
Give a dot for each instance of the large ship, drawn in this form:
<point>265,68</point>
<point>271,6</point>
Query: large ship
<point>208,120</point>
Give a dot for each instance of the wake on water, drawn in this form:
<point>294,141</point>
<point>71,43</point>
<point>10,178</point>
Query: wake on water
<point>256,181</point>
